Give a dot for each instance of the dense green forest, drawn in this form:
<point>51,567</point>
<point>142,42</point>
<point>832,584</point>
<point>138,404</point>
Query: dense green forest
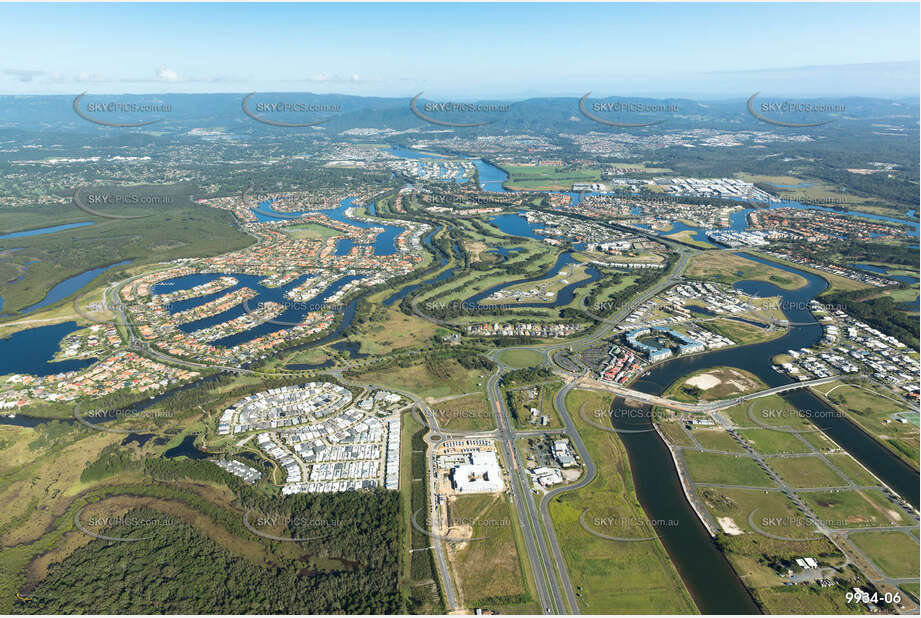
<point>882,313</point>
<point>179,570</point>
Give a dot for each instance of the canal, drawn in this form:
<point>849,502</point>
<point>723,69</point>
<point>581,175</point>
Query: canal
<point>707,573</point>
<point>757,359</point>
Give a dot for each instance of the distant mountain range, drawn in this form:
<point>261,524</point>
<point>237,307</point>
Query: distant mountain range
<point>538,115</point>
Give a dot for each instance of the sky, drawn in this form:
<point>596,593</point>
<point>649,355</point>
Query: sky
<point>466,51</point>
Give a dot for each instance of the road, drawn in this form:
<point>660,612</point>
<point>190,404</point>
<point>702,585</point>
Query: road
<point>551,577</point>
<point>706,407</point>
<point>545,580</point>
<point>434,435</point>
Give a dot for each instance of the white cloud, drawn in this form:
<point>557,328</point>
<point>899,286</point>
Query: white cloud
<point>86,76</point>
<point>23,75</point>
<point>167,74</point>
<point>354,78</point>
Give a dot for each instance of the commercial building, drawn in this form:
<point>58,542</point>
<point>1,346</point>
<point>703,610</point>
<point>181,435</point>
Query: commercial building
<point>481,474</point>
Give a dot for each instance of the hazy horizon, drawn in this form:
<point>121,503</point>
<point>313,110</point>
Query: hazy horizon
<point>474,51</point>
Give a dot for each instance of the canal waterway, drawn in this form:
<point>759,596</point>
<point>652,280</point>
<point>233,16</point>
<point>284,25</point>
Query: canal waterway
<point>31,351</point>
<point>757,359</point>
<point>713,584</point>
<point>293,314</point>
<point>384,243</point>
<point>709,577</point>
<point>563,297</point>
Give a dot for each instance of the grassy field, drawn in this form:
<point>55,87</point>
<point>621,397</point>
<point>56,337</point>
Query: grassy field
<point>854,471</point>
<point>770,411</point>
<point>465,286</point>
<point>488,571</point>
<point>836,283</point>
<point>311,356</point>
<point>806,472</point>
<point>468,413</point>
<point>519,359</point>
<point>727,469</point>
<point>855,508</point>
<point>768,442</point>
<point>418,572</point>
<point>774,512</point>
<point>645,167</point>
<point>605,293</point>
<point>740,332</point>
<point>872,410</point>
<point>806,189</point>
<point>613,577</point>
<point>520,403</point>
<point>820,441</point>
<point>758,559</point>
<point>450,379</point>
<point>547,177</point>
<point>717,439</point>
<point>675,433</point>
<point>540,291</point>
<point>728,268</point>
<point>914,589</point>
<point>901,295</point>
<point>408,426</point>
<point>687,237</point>
<point>313,231</point>
<point>894,552</point>
<point>390,329</point>
<point>791,600</point>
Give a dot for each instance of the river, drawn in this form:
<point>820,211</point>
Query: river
<point>384,243</point>
<point>757,359</point>
<point>492,178</point>
<point>709,577</point>
<point>45,230</point>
